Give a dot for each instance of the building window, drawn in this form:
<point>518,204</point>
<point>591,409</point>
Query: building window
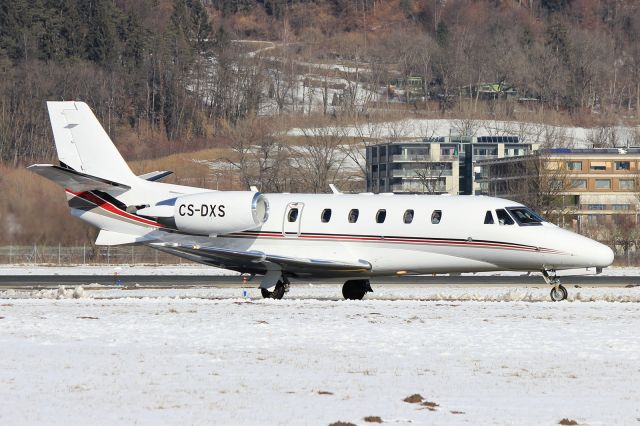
<point>596,207</point>
<point>574,165</point>
<point>408,216</point>
<point>436,216</point>
<point>353,215</point>
<point>325,216</point>
<point>293,215</point>
<point>598,165</point>
<point>488,218</point>
<point>621,207</point>
<point>556,184</point>
<point>381,216</point>
<point>579,184</point>
<point>622,165</point>
<point>551,165</point>
<point>603,184</point>
<point>626,184</point>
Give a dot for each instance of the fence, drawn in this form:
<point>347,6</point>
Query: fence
<point>84,255</point>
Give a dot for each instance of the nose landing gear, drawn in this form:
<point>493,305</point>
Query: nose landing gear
<point>558,292</point>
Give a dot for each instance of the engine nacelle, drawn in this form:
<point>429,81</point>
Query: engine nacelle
<point>213,213</point>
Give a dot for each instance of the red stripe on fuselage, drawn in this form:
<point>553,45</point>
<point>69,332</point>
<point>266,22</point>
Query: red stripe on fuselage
<point>103,204</point>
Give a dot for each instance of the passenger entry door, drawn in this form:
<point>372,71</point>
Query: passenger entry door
<point>291,220</point>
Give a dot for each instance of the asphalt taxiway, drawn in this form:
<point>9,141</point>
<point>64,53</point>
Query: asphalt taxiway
<point>177,281</point>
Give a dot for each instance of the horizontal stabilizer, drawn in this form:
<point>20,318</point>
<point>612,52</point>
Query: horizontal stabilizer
<point>155,176</point>
<point>73,180</point>
<point>110,238</point>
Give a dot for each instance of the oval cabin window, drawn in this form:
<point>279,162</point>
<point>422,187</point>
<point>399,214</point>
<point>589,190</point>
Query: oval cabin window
<point>293,215</point>
<point>353,215</point>
<point>436,216</point>
<point>408,216</point>
<point>381,216</point>
<point>325,216</point>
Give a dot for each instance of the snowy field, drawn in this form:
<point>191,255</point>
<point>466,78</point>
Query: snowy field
<point>211,356</point>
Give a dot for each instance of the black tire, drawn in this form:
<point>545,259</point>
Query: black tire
<point>355,289</point>
<point>277,293</point>
<point>558,293</point>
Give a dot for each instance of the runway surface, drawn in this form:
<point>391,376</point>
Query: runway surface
<point>174,281</point>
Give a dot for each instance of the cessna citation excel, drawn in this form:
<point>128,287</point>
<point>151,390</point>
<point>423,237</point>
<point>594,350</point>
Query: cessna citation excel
<point>284,236</point>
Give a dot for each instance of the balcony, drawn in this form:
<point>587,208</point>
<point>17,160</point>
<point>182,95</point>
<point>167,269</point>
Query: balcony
<point>418,187</point>
<point>418,173</point>
<point>417,157</point>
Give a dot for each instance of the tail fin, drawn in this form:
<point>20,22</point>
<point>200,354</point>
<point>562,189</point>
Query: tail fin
<point>83,145</point>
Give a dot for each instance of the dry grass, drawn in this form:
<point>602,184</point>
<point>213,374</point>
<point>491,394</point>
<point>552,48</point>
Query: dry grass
<point>414,399</point>
<point>373,419</point>
<point>567,422</point>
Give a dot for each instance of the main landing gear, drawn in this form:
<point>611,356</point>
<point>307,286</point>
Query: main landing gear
<point>558,292</point>
<point>277,292</point>
<point>356,289</point>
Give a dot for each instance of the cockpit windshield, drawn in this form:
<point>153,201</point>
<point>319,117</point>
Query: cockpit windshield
<point>525,216</point>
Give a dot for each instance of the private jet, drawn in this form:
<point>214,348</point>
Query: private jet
<point>303,236</point>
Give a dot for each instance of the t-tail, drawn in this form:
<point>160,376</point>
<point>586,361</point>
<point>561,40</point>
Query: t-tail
<point>88,157</point>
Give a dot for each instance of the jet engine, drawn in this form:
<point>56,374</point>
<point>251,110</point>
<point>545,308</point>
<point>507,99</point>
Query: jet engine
<point>211,213</point>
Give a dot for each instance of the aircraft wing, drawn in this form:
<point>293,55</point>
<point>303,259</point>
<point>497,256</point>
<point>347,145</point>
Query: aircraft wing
<point>260,262</point>
<point>74,180</point>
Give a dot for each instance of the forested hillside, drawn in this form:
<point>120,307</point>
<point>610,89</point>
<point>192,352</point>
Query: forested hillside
<point>163,74</point>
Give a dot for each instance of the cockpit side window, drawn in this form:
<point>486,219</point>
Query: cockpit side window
<point>436,216</point>
<point>503,217</point>
<point>525,216</point>
<point>488,218</point>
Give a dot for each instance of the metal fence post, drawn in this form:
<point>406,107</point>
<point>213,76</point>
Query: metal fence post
<point>59,254</point>
<point>11,254</point>
<point>84,254</point>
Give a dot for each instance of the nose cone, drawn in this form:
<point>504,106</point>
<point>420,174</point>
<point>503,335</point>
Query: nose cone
<point>600,255</point>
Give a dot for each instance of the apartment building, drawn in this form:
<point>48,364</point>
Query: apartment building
<point>435,165</point>
<point>588,186</point>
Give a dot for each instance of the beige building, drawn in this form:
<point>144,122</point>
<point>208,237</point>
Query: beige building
<point>588,186</point>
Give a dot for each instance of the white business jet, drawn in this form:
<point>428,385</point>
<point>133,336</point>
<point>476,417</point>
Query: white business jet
<point>284,236</point>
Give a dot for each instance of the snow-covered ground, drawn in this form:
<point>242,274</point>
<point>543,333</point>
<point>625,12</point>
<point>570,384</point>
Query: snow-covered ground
<point>535,133</point>
<point>209,356</point>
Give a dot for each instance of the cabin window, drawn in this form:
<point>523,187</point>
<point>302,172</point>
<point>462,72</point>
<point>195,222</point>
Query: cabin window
<point>293,215</point>
<point>325,216</point>
<point>381,216</point>
<point>524,216</point>
<point>353,215</point>
<point>408,216</point>
<point>436,216</point>
<point>503,217</point>
<point>488,218</point>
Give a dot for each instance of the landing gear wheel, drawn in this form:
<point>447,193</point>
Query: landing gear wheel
<point>277,293</point>
<point>355,289</point>
<point>558,293</point>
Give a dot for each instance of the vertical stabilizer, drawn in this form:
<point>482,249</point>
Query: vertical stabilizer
<point>82,143</point>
